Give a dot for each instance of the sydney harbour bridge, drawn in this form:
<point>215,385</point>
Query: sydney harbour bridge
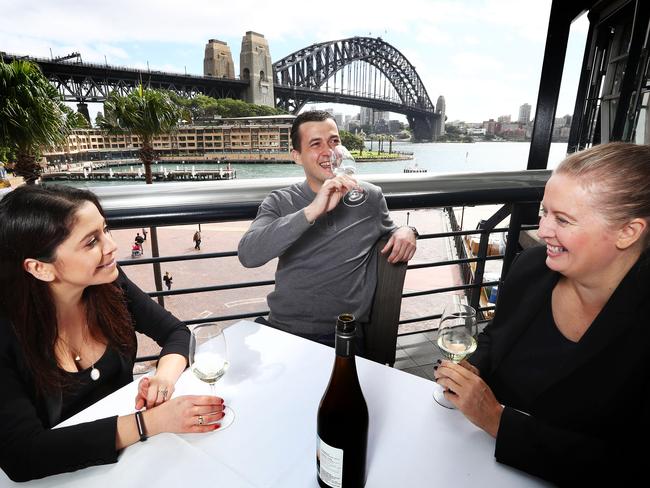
<point>360,71</point>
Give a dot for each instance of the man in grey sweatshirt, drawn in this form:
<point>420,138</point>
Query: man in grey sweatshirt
<point>325,266</point>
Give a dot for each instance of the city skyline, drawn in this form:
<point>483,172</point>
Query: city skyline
<point>483,56</point>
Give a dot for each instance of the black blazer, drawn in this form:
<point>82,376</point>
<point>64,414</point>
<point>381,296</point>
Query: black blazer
<point>580,427</point>
<point>29,447</point>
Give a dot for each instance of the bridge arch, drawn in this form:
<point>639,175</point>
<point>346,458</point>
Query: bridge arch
<point>312,66</point>
<point>300,76</point>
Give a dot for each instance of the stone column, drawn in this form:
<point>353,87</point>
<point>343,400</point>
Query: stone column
<point>82,108</point>
<point>255,65</point>
<point>218,61</point>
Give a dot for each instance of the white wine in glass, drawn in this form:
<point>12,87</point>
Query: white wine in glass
<point>456,340</point>
<point>209,360</point>
<point>342,163</point>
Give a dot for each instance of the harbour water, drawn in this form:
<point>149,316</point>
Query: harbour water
<point>434,157</point>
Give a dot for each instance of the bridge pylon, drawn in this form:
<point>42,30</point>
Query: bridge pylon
<point>255,65</point>
<point>82,108</point>
<point>217,60</point>
<point>424,128</point>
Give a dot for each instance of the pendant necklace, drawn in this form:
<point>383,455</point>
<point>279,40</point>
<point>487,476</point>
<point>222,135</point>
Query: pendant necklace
<point>94,372</point>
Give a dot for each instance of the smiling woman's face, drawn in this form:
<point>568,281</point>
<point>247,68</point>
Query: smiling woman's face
<point>578,239</point>
<point>87,256</point>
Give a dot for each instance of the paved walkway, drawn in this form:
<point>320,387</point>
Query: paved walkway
<point>415,353</point>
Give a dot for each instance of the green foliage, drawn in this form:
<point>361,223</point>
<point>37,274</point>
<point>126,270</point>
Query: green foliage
<point>204,107</point>
<point>6,154</point>
<point>144,112</point>
<point>32,115</point>
<point>352,142</point>
<point>74,119</point>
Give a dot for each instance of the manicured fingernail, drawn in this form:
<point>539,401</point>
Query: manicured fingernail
<point>435,367</point>
<point>439,361</point>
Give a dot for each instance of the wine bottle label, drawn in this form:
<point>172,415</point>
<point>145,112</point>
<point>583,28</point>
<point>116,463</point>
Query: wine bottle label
<point>331,464</point>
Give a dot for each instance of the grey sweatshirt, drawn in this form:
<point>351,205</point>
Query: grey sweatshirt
<point>325,268</point>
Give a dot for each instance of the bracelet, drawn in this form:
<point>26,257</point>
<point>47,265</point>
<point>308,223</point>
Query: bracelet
<point>415,231</point>
<point>139,422</point>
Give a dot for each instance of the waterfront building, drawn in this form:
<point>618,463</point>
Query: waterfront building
<point>248,137</point>
<point>217,60</point>
<point>491,127</point>
<point>524,114</point>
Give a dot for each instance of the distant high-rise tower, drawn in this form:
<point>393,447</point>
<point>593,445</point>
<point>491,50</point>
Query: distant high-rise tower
<point>440,108</point>
<point>370,116</point>
<point>217,60</point>
<point>524,114</point>
<point>366,116</point>
<point>255,65</point>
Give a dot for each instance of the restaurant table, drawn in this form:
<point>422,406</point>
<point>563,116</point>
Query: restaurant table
<point>274,385</point>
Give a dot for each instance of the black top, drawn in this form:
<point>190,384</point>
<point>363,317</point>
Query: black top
<point>581,419</point>
<point>29,447</point>
<point>540,350</point>
<point>82,391</point>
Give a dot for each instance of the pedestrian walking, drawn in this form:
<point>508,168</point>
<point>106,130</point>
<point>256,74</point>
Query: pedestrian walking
<point>144,233</point>
<point>168,280</point>
<point>197,240</point>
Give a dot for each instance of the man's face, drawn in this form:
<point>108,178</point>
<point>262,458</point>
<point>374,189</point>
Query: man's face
<point>316,142</point>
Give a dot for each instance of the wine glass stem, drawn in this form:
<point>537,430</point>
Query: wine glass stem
<point>213,389</point>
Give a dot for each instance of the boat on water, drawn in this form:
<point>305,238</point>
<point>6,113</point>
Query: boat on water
<point>414,168</point>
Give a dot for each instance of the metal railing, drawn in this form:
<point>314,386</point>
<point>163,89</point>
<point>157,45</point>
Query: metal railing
<point>133,207</point>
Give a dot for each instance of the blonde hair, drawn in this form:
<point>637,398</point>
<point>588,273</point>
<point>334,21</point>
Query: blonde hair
<point>617,175</point>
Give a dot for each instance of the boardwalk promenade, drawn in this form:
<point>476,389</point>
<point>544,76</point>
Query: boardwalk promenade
<point>219,237</point>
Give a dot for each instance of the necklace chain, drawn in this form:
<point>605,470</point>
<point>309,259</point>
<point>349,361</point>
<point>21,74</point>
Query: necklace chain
<point>94,372</point>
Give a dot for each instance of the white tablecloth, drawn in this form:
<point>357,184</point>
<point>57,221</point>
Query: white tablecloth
<point>274,385</point>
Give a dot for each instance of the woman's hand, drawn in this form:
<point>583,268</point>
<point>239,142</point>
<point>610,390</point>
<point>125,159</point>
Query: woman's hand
<point>156,389</point>
<point>153,391</point>
<point>467,365</point>
<point>470,394</point>
<point>186,414</point>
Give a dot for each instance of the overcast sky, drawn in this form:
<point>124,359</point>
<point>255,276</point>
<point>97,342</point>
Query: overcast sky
<point>484,56</point>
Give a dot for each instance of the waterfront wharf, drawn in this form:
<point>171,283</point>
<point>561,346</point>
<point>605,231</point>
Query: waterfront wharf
<point>164,175</point>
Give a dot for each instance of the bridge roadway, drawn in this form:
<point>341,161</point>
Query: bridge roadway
<point>88,82</point>
<point>298,79</point>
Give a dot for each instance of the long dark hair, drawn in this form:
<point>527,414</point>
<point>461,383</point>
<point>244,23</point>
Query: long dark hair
<point>34,221</point>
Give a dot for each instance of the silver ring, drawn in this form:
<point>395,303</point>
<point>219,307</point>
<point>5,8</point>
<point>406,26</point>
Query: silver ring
<point>201,420</point>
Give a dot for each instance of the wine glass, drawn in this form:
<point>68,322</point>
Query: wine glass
<point>209,360</point>
<point>456,340</point>
<point>342,163</point>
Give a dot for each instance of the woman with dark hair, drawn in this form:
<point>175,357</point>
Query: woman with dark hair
<point>561,377</point>
<point>68,318</point>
